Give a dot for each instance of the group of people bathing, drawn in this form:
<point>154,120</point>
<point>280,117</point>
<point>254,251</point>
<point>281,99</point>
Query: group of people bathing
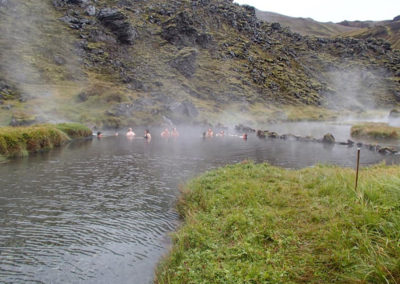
<point>131,134</point>
<point>165,133</point>
<point>210,133</point>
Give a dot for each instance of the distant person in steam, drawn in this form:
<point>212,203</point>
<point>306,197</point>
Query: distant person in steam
<point>220,134</point>
<point>174,132</point>
<point>165,133</point>
<point>209,133</point>
<point>130,133</point>
<point>147,135</point>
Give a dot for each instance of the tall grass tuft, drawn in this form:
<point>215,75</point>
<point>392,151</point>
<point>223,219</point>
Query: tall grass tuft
<point>74,130</point>
<point>20,141</point>
<point>380,131</point>
<point>251,223</point>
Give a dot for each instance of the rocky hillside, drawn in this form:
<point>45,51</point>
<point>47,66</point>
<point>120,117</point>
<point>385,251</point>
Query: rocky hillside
<point>123,62</point>
<point>387,30</point>
<point>306,26</point>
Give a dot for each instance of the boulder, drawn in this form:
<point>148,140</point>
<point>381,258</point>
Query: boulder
<point>328,139</point>
<point>90,10</point>
<point>181,32</point>
<point>122,109</point>
<point>387,150</point>
<point>62,3</point>
<point>244,129</point>
<point>260,134</point>
<point>75,22</point>
<point>185,62</point>
<point>118,23</point>
<point>273,135</point>
<point>185,108</point>
<point>83,96</point>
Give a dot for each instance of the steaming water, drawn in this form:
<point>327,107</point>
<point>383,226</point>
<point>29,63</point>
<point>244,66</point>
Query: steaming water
<point>100,211</point>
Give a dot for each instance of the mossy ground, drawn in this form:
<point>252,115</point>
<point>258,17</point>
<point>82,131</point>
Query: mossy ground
<point>379,131</point>
<point>20,141</point>
<point>251,223</point>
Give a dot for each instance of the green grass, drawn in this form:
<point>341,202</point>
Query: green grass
<point>20,141</point>
<point>250,223</point>
<point>74,130</point>
<point>380,131</point>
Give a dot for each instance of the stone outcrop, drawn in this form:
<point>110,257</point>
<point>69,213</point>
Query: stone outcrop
<point>185,62</point>
<point>118,23</point>
<point>328,139</point>
<point>185,109</point>
<point>180,31</point>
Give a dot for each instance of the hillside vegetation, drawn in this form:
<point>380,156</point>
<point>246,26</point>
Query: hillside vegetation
<point>250,223</point>
<point>388,30</point>
<point>305,26</point>
<point>116,63</point>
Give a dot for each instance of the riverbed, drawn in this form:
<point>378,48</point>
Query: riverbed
<point>100,211</point>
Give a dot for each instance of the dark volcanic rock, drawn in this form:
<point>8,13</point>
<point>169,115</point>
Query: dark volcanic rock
<point>82,97</point>
<point>181,32</point>
<point>118,23</point>
<point>123,109</point>
<point>387,150</point>
<point>75,22</point>
<point>62,3</point>
<point>90,10</point>
<point>243,128</point>
<point>328,139</point>
<point>185,108</point>
<point>185,62</point>
<point>59,60</point>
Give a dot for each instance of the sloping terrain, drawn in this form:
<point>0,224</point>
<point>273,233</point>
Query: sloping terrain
<point>305,26</point>
<point>114,63</point>
<point>387,30</point>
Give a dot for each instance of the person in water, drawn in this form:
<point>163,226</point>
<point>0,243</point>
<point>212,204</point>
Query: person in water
<point>130,133</point>
<point>209,133</point>
<point>174,132</point>
<point>99,134</point>
<point>147,135</point>
<point>220,134</point>
<point>165,133</point>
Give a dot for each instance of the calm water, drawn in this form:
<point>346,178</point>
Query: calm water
<point>100,211</point>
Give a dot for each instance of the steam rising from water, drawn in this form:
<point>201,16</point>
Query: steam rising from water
<point>355,89</point>
<point>35,55</point>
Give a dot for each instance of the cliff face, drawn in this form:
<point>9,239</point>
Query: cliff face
<point>116,63</point>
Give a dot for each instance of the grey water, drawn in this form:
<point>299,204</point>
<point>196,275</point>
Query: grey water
<point>101,210</point>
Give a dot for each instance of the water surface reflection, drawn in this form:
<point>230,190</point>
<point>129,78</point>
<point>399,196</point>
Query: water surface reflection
<point>99,211</point>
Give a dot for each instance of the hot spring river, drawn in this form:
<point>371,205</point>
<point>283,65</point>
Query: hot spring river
<point>100,211</point>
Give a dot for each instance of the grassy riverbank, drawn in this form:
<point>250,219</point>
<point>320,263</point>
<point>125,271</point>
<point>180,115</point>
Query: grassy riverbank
<point>250,223</point>
<point>20,141</point>
<point>380,131</point>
